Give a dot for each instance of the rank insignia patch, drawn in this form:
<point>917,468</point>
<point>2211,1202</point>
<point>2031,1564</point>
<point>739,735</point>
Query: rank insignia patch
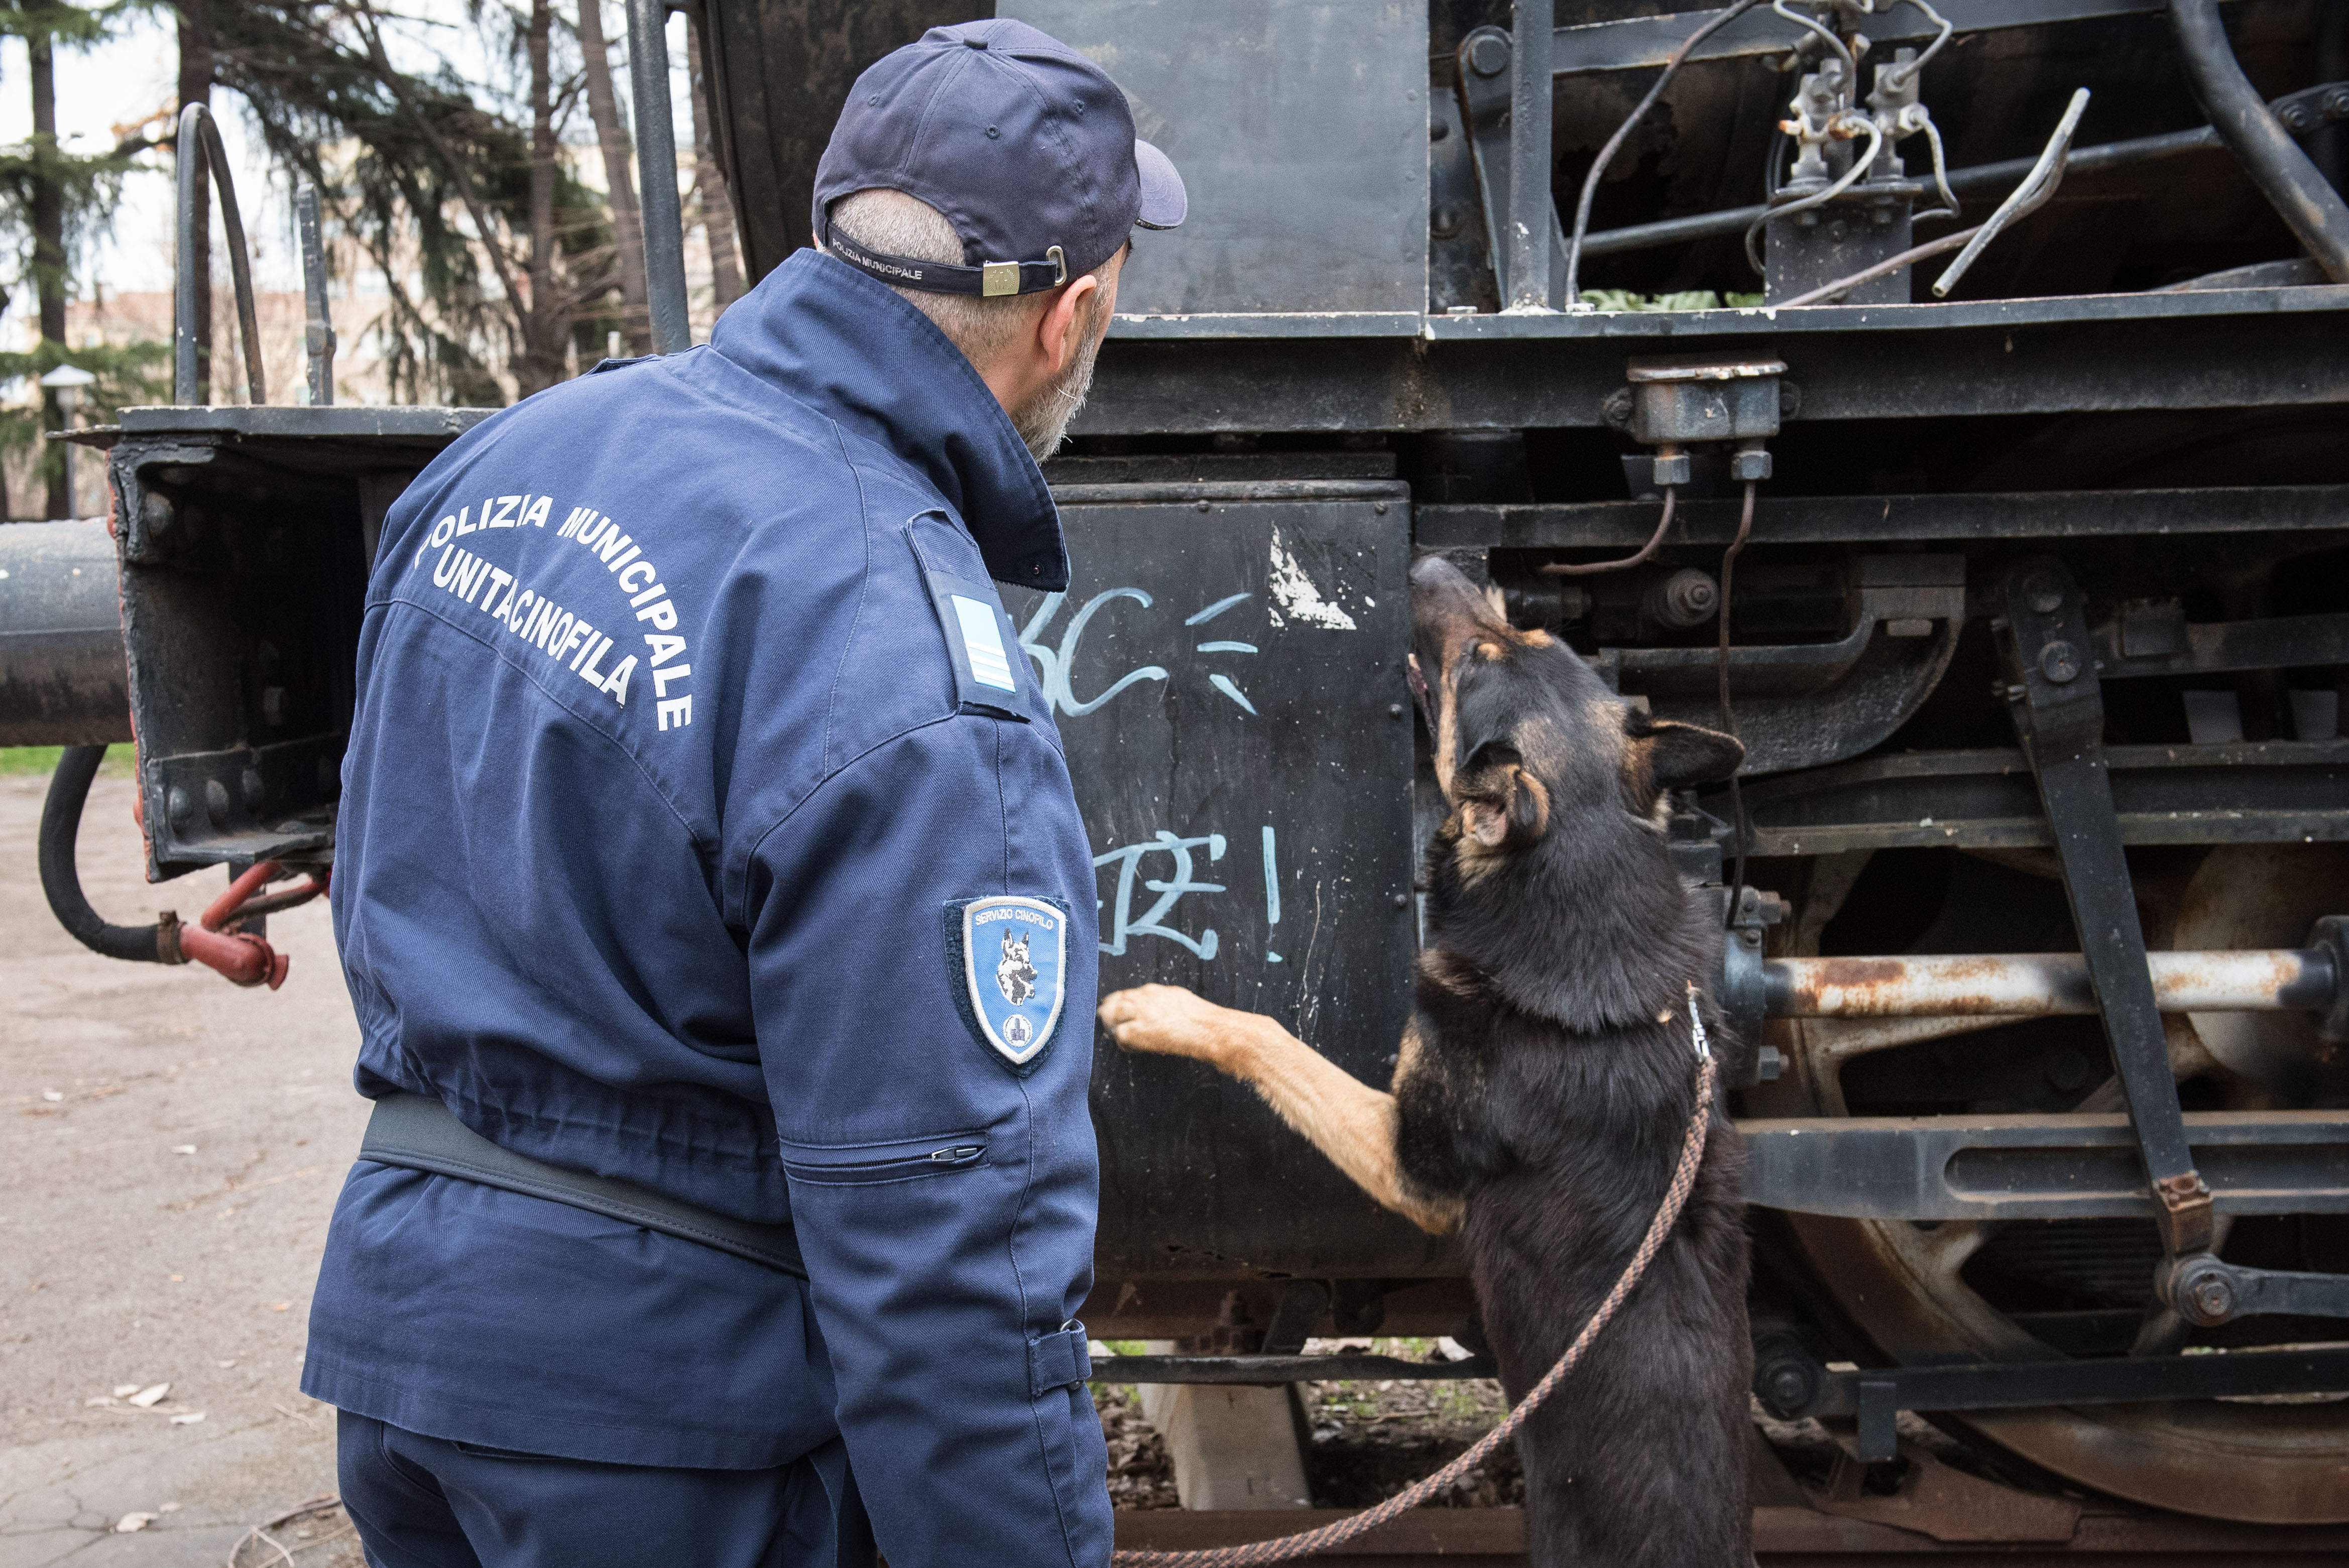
<point>1009,957</point>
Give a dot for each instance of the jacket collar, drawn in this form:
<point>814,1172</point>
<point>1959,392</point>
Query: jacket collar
<point>850,346</point>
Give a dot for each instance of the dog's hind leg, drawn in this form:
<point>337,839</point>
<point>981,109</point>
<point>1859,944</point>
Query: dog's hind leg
<point>1345,1119</point>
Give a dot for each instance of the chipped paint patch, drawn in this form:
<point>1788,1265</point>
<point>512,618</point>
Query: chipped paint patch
<point>1297,594</point>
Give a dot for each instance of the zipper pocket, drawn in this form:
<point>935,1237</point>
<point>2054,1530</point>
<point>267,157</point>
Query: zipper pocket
<point>903,1161</point>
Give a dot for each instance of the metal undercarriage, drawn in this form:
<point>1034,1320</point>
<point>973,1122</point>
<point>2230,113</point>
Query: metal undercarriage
<point>2039,647</point>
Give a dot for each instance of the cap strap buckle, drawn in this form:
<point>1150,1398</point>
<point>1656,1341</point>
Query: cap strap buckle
<point>991,280</point>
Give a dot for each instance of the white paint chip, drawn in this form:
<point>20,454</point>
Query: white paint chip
<point>1297,594</point>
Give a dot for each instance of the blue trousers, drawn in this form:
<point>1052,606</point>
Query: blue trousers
<point>426,1502</point>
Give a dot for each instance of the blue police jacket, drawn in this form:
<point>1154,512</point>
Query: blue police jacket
<point>703,825</point>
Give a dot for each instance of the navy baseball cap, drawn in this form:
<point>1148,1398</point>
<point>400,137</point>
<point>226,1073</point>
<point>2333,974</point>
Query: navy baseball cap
<point>1024,144</point>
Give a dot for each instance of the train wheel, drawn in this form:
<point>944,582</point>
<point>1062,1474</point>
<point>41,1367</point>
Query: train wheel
<point>2037,1290</point>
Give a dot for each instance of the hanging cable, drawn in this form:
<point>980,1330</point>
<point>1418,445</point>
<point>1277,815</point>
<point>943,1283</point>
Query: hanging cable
<point>61,879</point>
<point>1655,543</point>
<point>1949,205</point>
<point>1615,143</point>
<point>1859,166</point>
<point>1826,33</point>
<point>1900,76</point>
<point>1728,714</point>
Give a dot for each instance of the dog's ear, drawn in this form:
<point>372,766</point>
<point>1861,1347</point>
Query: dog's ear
<point>1679,755</point>
<point>1503,807</point>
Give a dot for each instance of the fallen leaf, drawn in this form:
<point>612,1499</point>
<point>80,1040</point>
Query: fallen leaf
<point>52,1096</point>
<point>184,1148</point>
<point>124,1391</point>
<point>281,1306</point>
<point>131,1523</point>
<point>144,1398</point>
<point>177,1279</point>
<point>170,1508</point>
<point>187,1418</point>
<point>225,1364</point>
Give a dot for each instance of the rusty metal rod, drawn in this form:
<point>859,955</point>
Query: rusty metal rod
<point>2042,985</point>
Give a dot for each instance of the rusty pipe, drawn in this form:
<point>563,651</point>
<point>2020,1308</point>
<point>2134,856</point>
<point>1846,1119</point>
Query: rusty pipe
<point>2042,985</point>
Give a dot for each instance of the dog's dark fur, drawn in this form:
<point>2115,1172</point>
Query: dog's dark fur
<point>1543,1085</point>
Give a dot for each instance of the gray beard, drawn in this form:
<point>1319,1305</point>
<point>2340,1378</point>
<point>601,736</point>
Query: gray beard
<point>1044,419</point>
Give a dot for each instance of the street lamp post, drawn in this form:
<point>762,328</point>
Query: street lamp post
<point>67,381</point>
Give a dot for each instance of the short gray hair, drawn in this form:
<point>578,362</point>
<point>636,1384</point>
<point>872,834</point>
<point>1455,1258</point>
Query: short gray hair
<point>896,224</point>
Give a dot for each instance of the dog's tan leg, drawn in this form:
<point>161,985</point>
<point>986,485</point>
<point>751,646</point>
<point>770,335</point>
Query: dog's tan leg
<point>1345,1119</point>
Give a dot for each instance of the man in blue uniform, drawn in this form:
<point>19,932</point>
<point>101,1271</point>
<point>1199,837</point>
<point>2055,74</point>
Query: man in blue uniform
<point>717,914</point>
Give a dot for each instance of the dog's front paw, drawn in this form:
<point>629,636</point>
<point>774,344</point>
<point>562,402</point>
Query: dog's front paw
<point>1167,1020</point>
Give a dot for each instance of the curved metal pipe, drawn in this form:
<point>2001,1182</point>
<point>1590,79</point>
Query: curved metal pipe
<point>2293,185</point>
<point>198,135</point>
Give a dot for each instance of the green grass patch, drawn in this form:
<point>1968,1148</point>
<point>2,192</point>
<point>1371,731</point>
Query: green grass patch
<point>30,761</point>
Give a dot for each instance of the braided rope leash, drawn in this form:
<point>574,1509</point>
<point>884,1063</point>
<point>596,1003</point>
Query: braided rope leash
<point>1285,1548</point>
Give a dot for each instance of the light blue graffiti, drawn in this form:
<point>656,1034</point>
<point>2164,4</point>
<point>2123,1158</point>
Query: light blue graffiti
<point>1271,889</point>
<point>1218,608</point>
<point>1053,664</point>
<point>1170,889</point>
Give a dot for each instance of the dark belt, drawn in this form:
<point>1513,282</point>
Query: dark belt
<point>417,1133</point>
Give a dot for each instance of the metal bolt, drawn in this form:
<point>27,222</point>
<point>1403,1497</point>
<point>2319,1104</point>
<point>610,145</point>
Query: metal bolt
<point>156,511</point>
<point>1380,508</point>
<point>2209,1296</point>
<point>216,801</point>
<point>1789,1388</point>
<point>2044,599</point>
<point>2337,104</point>
<point>1395,710</point>
<point>1203,506</point>
<point>178,807</point>
<point>1488,55</point>
<point>1403,901</point>
<point>2059,662</point>
<point>1437,131</point>
<point>2294,116</point>
<point>1687,598</point>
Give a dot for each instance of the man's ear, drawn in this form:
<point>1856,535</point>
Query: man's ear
<point>1503,808</point>
<point>1057,337</point>
<point>1679,755</point>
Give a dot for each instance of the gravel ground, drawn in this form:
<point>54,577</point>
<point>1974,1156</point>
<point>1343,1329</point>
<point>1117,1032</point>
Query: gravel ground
<point>1368,1439</point>
<point>170,1151</point>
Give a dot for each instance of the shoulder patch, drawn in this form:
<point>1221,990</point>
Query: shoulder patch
<point>980,643</point>
<point>1007,959</point>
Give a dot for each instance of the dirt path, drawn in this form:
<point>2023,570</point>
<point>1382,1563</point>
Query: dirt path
<point>126,1260</point>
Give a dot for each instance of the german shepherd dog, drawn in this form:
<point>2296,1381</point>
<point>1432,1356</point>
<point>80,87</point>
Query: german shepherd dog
<point>1543,1085</point>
